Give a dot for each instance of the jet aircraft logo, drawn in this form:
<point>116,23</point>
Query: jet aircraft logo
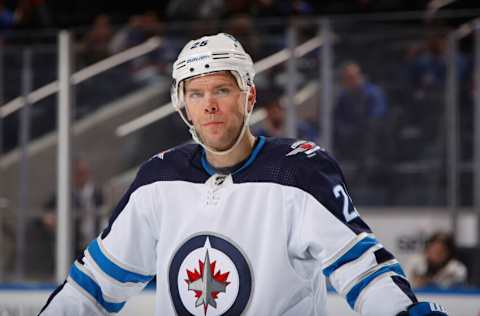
<point>209,276</point>
<point>302,146</point>
<point>207,284</point>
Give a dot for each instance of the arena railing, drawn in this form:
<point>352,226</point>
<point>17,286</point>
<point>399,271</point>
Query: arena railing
<point>82,75</point>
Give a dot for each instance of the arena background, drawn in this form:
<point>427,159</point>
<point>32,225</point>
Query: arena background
<point>89,83</point>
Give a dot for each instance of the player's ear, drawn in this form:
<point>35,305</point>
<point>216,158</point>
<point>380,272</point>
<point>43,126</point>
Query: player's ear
<point>252,98</point>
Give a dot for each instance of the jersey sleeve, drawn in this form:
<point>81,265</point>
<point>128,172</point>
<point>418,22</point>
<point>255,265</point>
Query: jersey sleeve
<point>331,231</point>
<point>116,265</point>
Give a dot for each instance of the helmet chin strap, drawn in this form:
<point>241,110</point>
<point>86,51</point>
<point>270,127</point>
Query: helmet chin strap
<point>196,137</point>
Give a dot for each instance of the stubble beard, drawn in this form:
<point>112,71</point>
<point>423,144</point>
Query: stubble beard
<point>226,137</point>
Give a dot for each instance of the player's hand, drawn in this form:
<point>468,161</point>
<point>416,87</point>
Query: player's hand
<point>424,309</point>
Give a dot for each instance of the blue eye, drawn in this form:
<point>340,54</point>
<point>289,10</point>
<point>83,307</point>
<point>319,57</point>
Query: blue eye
<point>194,95</point>
<point>223,91</point>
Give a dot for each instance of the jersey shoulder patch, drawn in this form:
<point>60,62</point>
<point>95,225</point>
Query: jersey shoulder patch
<point>292,162</point>
<point>305,147</point>
<point>301,155</point>
<point>312,169</point>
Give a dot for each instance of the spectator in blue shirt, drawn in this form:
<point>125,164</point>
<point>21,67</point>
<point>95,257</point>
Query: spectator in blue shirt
<point>8,18</point>
<point>361,127</point>
<point>360,108</point>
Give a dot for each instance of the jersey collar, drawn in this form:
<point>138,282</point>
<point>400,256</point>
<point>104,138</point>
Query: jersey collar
<point>253,155</point>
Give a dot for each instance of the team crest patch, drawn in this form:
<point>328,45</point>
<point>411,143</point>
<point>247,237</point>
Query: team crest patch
<point>209,276</point>
<point>302,146</point>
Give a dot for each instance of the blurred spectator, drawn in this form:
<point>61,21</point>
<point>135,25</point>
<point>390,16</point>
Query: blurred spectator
<point>267,8</point>
<point>243,29</point>
<point>437,266</point>
<point>95,46</point>
<point>204,10</point>
<point>368,6</point>
<point>235,7</point>
<point>151,25</point>
<point>122,39</point>
<point>361,134</point>
<point>300,7</point>
<point>8,17</point>
<point>428,65</point>
<point>422,115</point>
<point>138,29</point>
<point>274,123</point>
<point>86,202</point>
<point>360,112</point>
<point>148,68</point>
<point>24,13</point>
<point>34,14</point>
<point>87,199</point>
<point>271,8</point>
<point>7,238</point>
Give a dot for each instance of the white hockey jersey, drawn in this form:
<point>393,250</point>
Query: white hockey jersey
<point>259,241</point>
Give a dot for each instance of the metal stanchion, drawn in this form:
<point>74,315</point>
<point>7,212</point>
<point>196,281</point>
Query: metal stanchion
<point>23,196</point>
<point>64,218</point>
<point>451,120</point>
<point>476,127</point>
<point>291,124</point>
<point>326,75</point>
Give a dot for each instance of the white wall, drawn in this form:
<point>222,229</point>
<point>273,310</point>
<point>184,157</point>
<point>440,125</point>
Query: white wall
<point>403,230</point>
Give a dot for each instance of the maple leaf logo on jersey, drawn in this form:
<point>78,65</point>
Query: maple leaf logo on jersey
<point>207,284</point>
<point>302,146</point>
<point>209,276</point>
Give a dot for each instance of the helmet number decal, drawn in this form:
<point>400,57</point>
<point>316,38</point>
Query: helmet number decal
<point>199,43</point>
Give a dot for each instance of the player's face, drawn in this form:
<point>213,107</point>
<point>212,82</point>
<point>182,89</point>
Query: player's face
<point>215,105</point>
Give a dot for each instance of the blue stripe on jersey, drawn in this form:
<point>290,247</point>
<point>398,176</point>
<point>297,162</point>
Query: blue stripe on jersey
<point>94,290</point>
<point>354,253</point>
<point>206,165</point>
<point>112,269</point>
<point>250,160</point>
<point>253,155</point>
<point>353,294</point>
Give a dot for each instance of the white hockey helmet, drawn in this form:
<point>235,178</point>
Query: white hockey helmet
<point>220,52</point>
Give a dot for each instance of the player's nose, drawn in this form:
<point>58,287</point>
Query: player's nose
<point>211,104</point>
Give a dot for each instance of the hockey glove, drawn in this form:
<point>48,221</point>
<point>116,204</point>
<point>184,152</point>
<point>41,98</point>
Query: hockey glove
<point>424,309</point>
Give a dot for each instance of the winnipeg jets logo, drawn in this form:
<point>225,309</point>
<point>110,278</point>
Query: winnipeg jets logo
<point>206,284</point>
<point>209,276</point>
<point>302,146</point>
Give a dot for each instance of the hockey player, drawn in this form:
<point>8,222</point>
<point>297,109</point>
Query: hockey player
<point>235,224</point>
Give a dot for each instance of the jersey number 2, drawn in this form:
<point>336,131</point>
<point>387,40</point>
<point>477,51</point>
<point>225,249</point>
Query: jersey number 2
<point>339,192</point>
